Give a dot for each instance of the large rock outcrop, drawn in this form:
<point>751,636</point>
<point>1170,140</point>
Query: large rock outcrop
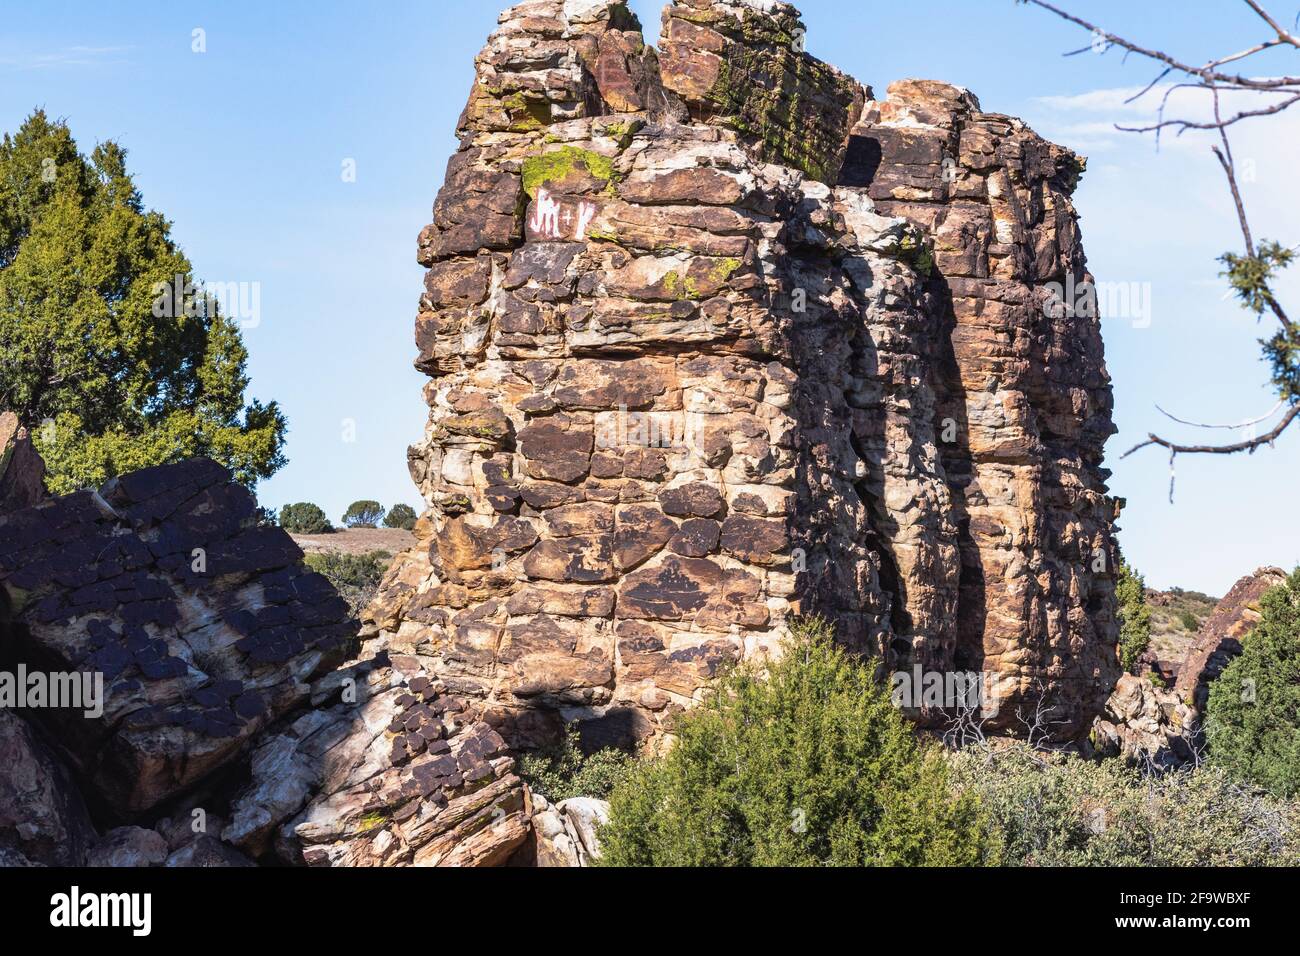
<point>204,627</point>
<point>716,338</point>
<point>1219,638</point>
<point>225,723</point>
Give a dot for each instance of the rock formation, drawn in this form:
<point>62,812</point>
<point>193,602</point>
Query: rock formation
<point>22,472</point>
<point>1163,726</point>
<point>231,725</point>
<point>716,338</point>
<point>1147,724</point>
<point>1219,639</point>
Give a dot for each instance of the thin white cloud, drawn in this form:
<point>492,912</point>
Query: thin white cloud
<point>72,56</point>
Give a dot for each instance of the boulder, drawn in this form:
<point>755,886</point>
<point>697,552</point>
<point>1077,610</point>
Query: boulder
<point>200,627</point>
<point>43,818</point>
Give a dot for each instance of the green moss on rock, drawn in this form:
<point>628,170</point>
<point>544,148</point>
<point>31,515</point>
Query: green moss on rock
<point>556,165</point>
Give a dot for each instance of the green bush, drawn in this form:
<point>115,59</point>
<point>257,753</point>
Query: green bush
<point>363,514</point>
<point>806,763</point>
<point>1057,810</point>
<point>1189,621</point>
<point>1134,615</point>
<point>355,576</point>
<point>400,516</point>
<point>564,771</point>
<point>1252,718</point>
<point>304,518</point>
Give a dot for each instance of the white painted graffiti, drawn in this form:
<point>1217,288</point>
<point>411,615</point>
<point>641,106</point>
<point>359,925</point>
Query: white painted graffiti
<point>552,219</point>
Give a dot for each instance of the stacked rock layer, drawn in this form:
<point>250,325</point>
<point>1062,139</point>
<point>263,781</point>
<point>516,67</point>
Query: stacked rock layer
<point>717,339</point>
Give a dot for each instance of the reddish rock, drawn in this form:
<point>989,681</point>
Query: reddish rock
<point>22,472</point>
<point>1219,638</point>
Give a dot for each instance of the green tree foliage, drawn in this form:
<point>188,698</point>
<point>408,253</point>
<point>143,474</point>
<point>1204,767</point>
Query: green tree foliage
<point>105,384</point>
<point>805,763</point>
<point>564,771</point>
<point>1059,810</point>
<point>363,514</point>
<point>1253,714</point>
<point>1134,616</point>
<point>355,576</point>
<point>401,516</point>
<point>304,518</point>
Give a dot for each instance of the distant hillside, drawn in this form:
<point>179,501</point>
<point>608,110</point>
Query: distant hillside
<point>1175,617</point>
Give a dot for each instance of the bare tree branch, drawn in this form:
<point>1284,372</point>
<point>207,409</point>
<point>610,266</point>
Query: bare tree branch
<point>1249,445</point>
<point>1254,286</point>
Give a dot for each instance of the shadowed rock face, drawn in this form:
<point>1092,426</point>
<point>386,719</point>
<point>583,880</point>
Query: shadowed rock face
<point>716,338</point>
<point>231,728</point>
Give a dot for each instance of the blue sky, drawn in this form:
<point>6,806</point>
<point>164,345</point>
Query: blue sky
<point>243,148</point>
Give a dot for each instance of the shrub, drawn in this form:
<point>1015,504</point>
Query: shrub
<point>1189,621</point>
<point>363,514</point>
<point>1058,810</point>
<point>400,516</point>
<point>304,518</point>
<point>564,771</point>
<point>1253,714</point>
<point>355,576</point>
<point>1134,616</point>
<point>805,763</point>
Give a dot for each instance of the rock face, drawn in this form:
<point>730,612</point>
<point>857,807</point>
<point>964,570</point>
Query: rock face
<point>204,627</point>
<point>397,777</point>
<point>716,338</point>
<point>564,834</point>
<point>1219,639</point>
<point>43,819</point>
<point>225,699</point>
<point>1146,723</point>
<point>22,472</point>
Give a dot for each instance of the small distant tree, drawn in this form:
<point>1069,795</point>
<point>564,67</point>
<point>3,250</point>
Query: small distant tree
<point>1253,714</point>
<point>363,514</point>
<point>304,518</point>
<point>400,516</point>
<point>1134,615</point>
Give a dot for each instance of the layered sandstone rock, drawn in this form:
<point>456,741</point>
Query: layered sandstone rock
<point>716,339</point>
<point>393,774</point>
<point>1022,379</point>
<point>203,626</point>
<point>224,702</point>
<point>1219,639</point>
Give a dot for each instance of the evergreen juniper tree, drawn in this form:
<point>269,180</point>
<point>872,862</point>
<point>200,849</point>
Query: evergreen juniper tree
<point>1253,713</point>
<point>103,381</point>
